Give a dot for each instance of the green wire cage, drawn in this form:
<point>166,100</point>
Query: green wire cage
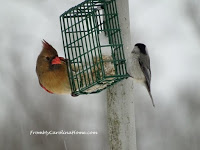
<point>93,46</point>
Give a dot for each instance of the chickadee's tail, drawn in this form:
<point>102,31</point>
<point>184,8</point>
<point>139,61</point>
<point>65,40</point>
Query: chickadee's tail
<point>151,98</point>
<point>149,90</point>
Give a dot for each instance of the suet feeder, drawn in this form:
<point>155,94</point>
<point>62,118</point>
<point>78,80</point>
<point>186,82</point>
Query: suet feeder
<point>93,64</point>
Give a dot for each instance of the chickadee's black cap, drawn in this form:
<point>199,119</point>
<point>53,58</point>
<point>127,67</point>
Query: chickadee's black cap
<point>142,48</point>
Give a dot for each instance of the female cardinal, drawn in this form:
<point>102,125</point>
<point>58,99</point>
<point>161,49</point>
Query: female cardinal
<point>52,71</point>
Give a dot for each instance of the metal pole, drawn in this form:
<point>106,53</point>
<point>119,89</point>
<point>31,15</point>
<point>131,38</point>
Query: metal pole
<point>120,106</point>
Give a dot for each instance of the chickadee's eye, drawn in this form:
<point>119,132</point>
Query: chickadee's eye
<point>47,58</point>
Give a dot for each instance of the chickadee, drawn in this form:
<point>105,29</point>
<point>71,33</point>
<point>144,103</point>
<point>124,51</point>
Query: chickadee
<point>141,70</point>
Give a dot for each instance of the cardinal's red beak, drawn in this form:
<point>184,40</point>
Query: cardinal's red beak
<point>56,60</point>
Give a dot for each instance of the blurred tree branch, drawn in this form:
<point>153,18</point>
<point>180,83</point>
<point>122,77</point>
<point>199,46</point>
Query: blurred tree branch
<point>193,12</point>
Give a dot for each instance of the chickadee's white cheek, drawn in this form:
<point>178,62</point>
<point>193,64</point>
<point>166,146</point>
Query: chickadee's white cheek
<point>136,50</point>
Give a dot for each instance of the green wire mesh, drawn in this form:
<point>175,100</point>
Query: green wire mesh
<point>93,46</point>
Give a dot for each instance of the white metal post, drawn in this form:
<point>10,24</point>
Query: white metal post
<point>120,106</point>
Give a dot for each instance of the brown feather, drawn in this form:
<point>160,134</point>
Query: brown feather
<point>54,77</point>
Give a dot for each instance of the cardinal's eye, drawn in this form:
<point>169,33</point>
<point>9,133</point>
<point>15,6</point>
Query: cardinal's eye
<point>47,58</point>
